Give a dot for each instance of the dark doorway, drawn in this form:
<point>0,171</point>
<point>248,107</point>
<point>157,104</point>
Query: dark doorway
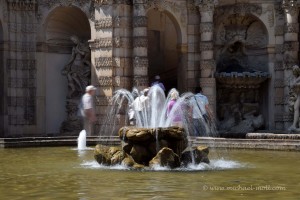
<point>162,49</point>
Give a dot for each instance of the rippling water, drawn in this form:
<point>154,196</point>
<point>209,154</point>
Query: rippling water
<point>65,173</point>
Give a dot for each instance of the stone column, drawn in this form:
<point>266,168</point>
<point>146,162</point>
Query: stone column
<point>103,61</point>
<point>140,45</point>
<point>207,62</point>
<point>290,51</point>
<point>122,51</point>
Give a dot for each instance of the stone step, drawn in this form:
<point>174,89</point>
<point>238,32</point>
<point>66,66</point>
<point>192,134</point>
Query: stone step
<point>270,144</point>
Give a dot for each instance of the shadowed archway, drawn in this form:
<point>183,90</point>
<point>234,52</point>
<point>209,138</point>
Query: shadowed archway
<point>61,24</point>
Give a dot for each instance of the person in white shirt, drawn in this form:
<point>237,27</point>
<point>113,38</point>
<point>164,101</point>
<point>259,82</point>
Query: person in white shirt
<point>141,106</point>
<point>88,109</point>
<point>200,113</point>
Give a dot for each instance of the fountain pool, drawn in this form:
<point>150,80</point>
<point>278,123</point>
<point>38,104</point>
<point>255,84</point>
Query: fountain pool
<point>66,173</point>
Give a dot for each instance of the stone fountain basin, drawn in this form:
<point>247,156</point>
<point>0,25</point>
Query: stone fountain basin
<point>151,147</point>
<point>242,79</point>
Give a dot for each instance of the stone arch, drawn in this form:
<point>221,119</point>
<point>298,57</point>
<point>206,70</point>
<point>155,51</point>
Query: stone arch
<point>63,22</point>
<point>60,24</point>
<point>164,40</point>
<point>248,31</point>
<point>177,14</point>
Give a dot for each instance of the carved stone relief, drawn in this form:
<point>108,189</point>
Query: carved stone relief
<point>241,9</point>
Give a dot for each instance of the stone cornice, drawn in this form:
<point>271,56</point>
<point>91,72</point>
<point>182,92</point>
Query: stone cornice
<point>22,5</point>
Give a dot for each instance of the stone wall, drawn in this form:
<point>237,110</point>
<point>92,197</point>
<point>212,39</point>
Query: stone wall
<point>35,46</point>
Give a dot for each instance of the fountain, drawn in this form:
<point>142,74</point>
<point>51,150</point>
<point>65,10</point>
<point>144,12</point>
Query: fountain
<point>81,140</point>
<point>153,140</point>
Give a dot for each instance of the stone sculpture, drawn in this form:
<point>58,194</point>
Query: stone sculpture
<point>150,147</point>
<point>78,69</point>
<point>294,99</point>
<point>78,72</point>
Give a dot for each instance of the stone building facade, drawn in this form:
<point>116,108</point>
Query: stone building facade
<point>241,52</point>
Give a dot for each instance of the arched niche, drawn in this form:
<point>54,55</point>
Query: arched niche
<point>61,23</point>
<point>242,70</point>
<point>243,39</point>
<point>1,82</point>
<point>164,37</point>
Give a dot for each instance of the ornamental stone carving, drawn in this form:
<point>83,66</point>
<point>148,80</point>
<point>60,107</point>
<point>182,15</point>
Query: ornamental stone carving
<point>22,5</point>
<point>291,28</point>
<point>140,71</point>
<point>241,9</point>
<point>140,42</point>
<point>208,64</point>
<point>206,27</point>
<point>103,62</point>
<point>139,21</point>
<point>278,66</point>
<point>102,43</point>
<point>140,81</point>
<point>102,101</point>
<point>206,5</point>
<point>140,62</point>
<point>105,81</point>
<point>205,46</point>
<point>103,23</point>
<point>103,2</point>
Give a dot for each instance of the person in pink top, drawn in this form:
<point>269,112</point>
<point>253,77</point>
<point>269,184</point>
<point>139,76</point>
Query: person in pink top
<point>175,115</point>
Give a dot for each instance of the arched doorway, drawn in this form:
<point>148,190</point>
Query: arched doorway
<point>61,24</point>
<point>1,83</point>
<point>162,48</point>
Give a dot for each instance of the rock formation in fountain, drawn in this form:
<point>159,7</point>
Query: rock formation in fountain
<point>150,147</point>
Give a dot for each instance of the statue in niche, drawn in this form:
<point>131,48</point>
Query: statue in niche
<point>238,112</point>
<point>294,99</point>
<point>78,69</point>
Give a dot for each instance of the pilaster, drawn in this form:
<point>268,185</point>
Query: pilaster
<point>207,62</point>
<point>140,45</point>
